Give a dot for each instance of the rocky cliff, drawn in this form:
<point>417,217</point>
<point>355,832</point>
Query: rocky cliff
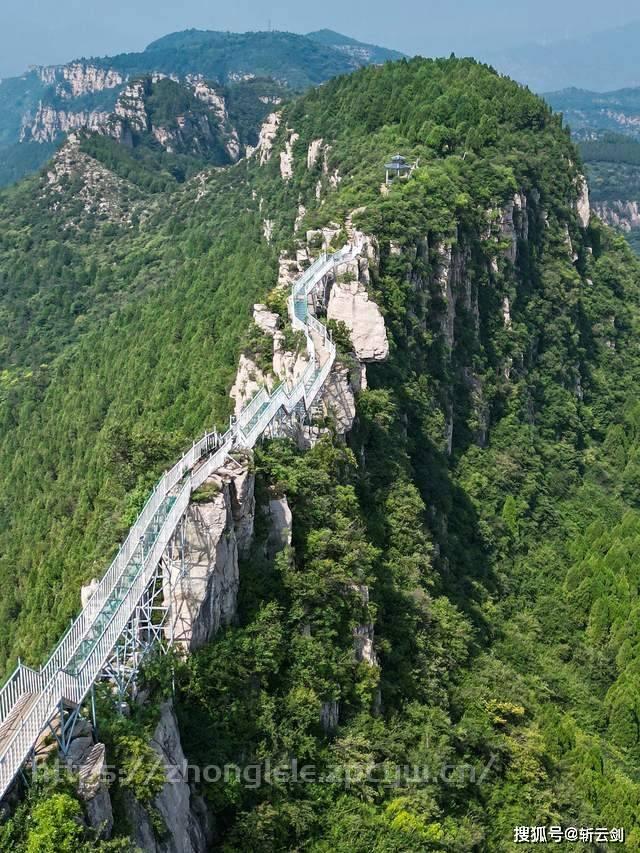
<point>186,115</point>
<point>96,89</point>
<point>79,78</point>
<point>183,814</point>
<point>50,122</point>
<point>623,215</point>
<point>183,117</point>
<point>201,566</point>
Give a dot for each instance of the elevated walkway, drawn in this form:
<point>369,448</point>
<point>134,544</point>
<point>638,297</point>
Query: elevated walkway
<point>30,699</point>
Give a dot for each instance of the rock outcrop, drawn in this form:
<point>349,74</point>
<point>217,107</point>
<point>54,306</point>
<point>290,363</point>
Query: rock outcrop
<point>624,215</point>
<point>131,106</point>
<point>280,525</point>
<point>86,758</point>
<point>100,191</point>
<point>364,634</point>
<point>337,399</point>
<point>323,238</point>
<point>344,295</point>
<point>506,312</point>
<point>217,104</point>
<point>93,789</point>
<point>582,206</point>
<point>267,229</point>
<point>79,78</point>
<point>329,715</point>
<point>249,380</point>
<point>87,591</point>
<point>514,224</point>
<point>265,319</point>
<point>195,131</point>
<point>302,212</point>
<point>266,138</point>
<point>287,365</point>
<point>50,122</point>
<point>201,568</point>
<point>286,156</point>
<point>350,304</point>
<point>446,273</point>
<point>83,78</point>
<point>180,810</point>
<point>313,152</point>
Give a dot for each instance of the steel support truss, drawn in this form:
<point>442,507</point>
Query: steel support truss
<point>144,631</point>
<point>287,425</point>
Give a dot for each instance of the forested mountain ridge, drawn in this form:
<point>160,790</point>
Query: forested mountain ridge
<point>486,497</point>
<point>243,73</point>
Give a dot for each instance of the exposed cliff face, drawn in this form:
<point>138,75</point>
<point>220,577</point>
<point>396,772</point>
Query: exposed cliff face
<point>582,206</point>
<point>215,100</point>
<point>453,274</point>
<point>79,78</point>
<point>337,399</point>
<point>94,791</point>
<point>201,578</point>
<point>60,109</point>
<point>286,365</point>
<point>286,156</point>
<point>313,152</point>
<point>182,812</point>
<point>248,74</point>
<point>201,127</point>
<point>86,758</point>
<point>50,122</point>
<point>514,224</point>
<point>624,215</point>
<point>249,380</point>
<point>280,525</point>
<point>350,304</point>
<point>364,633</point>
<point>130,106</point>
<point>266,138</point>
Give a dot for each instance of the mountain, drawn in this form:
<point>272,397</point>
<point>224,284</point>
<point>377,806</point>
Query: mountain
<point>296,60</point>
<point>590,113</point>
<point>600,61</point>
<point>246,71</point>
<point>359,52</point>
<point>437,611</point>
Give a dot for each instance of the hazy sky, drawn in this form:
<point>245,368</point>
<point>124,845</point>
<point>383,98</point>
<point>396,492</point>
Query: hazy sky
<point>51,31</point>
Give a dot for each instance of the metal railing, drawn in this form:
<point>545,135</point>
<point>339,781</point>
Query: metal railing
<point>84,649</point>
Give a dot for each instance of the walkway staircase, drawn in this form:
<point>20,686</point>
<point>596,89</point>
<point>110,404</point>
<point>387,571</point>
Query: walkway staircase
<point>31,698</point>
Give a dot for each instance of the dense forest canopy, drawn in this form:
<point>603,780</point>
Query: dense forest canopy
<point>501,563</point>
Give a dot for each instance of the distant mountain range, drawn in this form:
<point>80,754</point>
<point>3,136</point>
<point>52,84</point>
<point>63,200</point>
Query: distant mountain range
<point>601,61</point>
<point>225,84</point>
<point>589,113</point>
